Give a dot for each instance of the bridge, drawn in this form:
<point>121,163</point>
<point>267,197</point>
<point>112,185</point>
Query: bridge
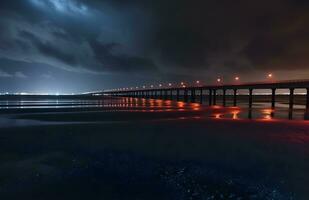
<point>191,93</point>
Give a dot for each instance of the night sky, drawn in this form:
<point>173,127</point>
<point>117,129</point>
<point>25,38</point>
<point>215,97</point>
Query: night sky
<point>85,45</point>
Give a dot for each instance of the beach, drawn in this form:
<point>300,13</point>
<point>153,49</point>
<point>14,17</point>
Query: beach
<point>152,149</point>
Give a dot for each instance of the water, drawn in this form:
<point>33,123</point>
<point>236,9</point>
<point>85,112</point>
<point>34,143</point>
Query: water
<point>261,109</point>
<point>127,148</point>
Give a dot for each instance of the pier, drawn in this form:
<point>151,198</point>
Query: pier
<point>191,93</point>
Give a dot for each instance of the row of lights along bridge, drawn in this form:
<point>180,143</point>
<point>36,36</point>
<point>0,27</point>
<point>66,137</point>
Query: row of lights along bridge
<point>182,84</point>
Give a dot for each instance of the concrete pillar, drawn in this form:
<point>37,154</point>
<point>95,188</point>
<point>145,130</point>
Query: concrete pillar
<point>224,97</point>
<point>307,100</point>
<point>185,95</point>
<point>193,95</point>
<point>250,97</point>
<point>171,94</point>
<point>177,94</point>
<point>210,97</point>
<point>161,94</point>
<point>291,103</point>
<point>201,96</point>
<point>273,98</point>
<point>235,97</point>
<point>215,97</point>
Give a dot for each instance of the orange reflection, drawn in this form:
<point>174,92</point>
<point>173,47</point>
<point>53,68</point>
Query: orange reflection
<point>168,103</point>
<point>267,114</point>
<point>159,103</point>
<point>218,116</point>
<point>235,114</point>
<point>180,104</point>
<point>195,106</point>
<point>151,103</point>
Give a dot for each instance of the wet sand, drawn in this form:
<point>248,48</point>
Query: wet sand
<point>162,152</point>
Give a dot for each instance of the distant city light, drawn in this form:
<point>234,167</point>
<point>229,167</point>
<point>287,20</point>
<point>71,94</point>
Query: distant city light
<point>236,78</point>
<point>270,75</point>
<point>160,85</point>
<point>151,86</point>
<point>144,86</point>
<point>182,83</point>
<point>169,84</point>
<point>218,80</point>
<point>197,82</point>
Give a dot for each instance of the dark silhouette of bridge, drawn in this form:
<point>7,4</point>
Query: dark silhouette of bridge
<point>191,93</point>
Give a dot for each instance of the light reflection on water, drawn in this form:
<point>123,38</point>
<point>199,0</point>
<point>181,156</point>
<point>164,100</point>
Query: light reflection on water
<point>260,110</point>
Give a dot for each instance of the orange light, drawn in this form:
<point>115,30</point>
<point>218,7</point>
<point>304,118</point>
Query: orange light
<point>235,114</point>
<point>270,75</point>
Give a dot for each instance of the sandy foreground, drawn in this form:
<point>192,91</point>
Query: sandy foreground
<point>151,155</point>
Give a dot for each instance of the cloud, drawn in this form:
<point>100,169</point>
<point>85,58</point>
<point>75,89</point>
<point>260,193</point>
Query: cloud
<point>20,75</point>
<point>4,74</point>
<point>66,7</point>
<point>110,60</point>
<point>177,38</point>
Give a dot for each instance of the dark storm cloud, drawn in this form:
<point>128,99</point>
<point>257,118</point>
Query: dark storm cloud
<point>225,35</point>
<point>104,54</point>
<point>48,49</point>
<point>157,38</point>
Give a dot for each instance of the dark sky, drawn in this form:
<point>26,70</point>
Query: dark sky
<point>83,45</point>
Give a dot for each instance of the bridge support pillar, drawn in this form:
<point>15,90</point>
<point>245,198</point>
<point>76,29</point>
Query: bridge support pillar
<point>161,94</point>
<point>165,95</point>
<point>177,94</point>
<point>193,95</point>
<point>307,100</point>
<point>250,97</point>
<point>171,94</point>
<point>201,96</point>
<point>210,97</point>
<point>224,97</point>
<point>215,97</point>
<point>273,98</point>
<point>235,97</point>
<point>291,103</point>
<point>185,95</point>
